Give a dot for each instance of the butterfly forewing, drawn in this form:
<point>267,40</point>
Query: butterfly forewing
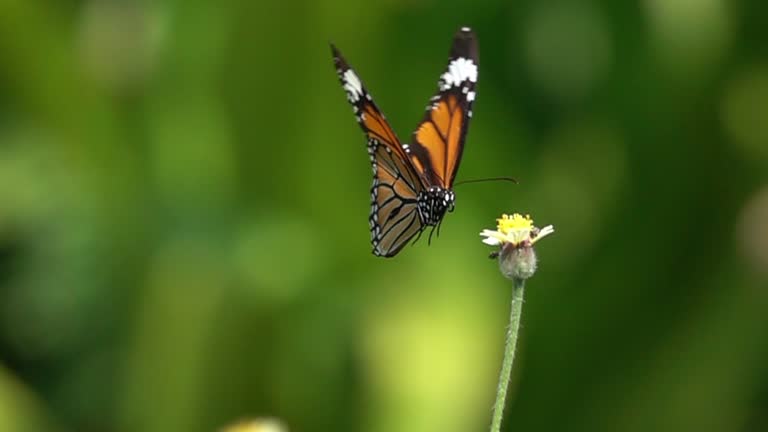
<point>394,218</point>
<point>438,141</point>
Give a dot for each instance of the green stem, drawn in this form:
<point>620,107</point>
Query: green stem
<point>509,353</point>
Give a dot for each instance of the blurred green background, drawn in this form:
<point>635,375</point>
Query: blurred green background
<point>184,200</point>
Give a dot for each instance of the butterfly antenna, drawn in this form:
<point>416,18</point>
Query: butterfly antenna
<point>489,179</point>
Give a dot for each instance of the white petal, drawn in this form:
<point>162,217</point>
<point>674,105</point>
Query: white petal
<point>547,230</point>
<point>493,241</point>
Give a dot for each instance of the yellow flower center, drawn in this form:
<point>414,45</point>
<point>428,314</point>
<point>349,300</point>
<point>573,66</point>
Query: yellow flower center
<point>515,229</point>
<point>514,223</point>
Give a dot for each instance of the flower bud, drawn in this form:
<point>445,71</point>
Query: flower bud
<point>517,262</point>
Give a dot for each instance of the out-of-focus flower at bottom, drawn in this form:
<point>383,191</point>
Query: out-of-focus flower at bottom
<point>515,235</point>
<point>257,425</point>
<point>753,231</point>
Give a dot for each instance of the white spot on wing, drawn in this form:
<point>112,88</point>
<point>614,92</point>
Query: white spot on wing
<point>352,85</point>
<point>470,96</point>
<point>459,70</point>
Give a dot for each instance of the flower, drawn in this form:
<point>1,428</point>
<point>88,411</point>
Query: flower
<point>516,235</point>
<point>516,230</point>
<point>257,425</point>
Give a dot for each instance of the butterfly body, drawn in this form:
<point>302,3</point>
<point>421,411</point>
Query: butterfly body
<point>434,202</point>
<point>412,183</point>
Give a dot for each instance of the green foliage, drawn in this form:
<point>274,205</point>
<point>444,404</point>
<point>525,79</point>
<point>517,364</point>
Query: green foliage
<point>183,204</point>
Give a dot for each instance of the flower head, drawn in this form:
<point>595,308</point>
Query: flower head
<point>257,425</point>
<point>516,230</point>
<point>516,235</point>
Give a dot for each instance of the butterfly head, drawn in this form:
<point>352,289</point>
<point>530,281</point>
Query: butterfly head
<point>434,202</point>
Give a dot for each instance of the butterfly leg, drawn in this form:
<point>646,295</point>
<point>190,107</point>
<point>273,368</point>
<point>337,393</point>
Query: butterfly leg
<point>417,237</point>
<point>429,242</point>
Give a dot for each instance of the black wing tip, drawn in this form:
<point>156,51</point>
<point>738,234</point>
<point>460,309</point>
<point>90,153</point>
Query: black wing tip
<point>334,51</point>
<point>464,44</point>
<point>338,59</point>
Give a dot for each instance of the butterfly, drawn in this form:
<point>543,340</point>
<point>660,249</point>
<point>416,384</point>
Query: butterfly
<point>412,183</point>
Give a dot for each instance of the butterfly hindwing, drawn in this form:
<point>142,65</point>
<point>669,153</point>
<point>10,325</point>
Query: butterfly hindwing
<point>394,218</point>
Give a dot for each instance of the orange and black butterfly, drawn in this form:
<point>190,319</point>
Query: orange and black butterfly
<point>412,183</point>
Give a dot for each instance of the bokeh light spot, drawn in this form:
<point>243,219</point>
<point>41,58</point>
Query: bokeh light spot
<point>753,231</point>
<point>120,41</point>
<point>568,48</point>
<point>582,174</point>
<point>690,35</point>
<point>745,111</point>
<point>274,257</point>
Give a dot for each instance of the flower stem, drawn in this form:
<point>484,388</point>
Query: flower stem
<point>518,289</point>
